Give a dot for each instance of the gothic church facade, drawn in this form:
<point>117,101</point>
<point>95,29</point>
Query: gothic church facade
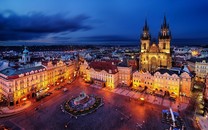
<point>154,56</point>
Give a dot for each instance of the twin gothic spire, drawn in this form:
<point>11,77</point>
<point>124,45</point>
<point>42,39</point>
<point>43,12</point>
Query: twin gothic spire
<point>163,34</point>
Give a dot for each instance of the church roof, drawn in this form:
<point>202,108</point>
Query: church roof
<point>124,63</point>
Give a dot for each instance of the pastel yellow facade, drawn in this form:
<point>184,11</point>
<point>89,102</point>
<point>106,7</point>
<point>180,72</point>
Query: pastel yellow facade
<point>142,79</point>
<point>34,82</point>
<point>110,80</point>
<point>169,83</point>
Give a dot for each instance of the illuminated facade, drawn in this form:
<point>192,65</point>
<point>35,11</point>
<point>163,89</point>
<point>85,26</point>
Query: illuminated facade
<point>168,81</point>
<point>186,82</point>
<point>83,68</point>
<point>108,73</point>
<point>15,85</point>
<point>101,72</point>
<point>206,89</point>
<point>154,56</point>
<point>125,73</point>
<point>201,70</point>
<point>142,79</point>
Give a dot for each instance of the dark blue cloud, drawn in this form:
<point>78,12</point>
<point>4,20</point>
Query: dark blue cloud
<point>111,20</point>
<point>37,25</point>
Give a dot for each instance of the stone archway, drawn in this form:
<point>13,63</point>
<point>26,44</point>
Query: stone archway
<point>28,96</point>
<point>153,64</point>
<point>167,93</point>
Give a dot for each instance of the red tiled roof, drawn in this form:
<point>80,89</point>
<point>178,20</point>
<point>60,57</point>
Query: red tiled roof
<point>114,61</point>
<point>102,65</point>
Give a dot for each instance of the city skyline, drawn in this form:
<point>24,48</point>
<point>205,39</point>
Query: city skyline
<point>118,21</point>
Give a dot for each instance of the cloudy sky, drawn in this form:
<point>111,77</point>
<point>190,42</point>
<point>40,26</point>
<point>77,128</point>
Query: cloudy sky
<point>99,20</point>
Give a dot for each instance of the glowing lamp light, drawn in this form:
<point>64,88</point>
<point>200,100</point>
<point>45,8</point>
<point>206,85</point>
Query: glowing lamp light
<point>142,99</point>
<point>24,99</point>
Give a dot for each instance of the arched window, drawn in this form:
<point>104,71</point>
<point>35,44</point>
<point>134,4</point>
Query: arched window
<point>144,46</point>
<point>164,45</point>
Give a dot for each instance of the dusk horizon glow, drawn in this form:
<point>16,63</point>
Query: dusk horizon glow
<point>69,21</point>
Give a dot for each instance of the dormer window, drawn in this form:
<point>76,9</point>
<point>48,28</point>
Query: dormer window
<point>110,71</point>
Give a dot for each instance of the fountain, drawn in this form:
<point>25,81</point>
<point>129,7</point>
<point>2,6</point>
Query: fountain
<point>82,104</point>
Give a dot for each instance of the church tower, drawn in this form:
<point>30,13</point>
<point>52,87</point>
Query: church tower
<point>154,56</point>
<point>145,38</point>
<point>25,56</point>
<point>164,37</point>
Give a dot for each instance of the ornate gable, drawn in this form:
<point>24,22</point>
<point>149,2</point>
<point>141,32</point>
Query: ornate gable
<point>154,48</point>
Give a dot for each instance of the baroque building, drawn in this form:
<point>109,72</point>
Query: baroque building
<point>33,81</point>
<point>154,56</point>
<point>108,73</point>
<point>169,81</point>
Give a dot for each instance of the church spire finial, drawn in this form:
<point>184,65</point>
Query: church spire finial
<point>164,21</point>
<point>145,25</point>
<point>145,34</point>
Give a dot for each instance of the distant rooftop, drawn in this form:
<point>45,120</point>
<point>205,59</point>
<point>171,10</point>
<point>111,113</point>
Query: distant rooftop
<point>198,59</point>
<point>124,63</point>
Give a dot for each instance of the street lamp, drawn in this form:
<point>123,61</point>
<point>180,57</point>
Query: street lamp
<point>24,99</point>
<point>142,99</point>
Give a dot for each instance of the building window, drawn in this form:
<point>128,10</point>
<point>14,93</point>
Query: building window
<point>164,45</point>
<point>144,46</point>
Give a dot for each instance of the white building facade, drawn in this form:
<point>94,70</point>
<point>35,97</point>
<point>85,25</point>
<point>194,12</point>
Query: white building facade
<point>201,70</point>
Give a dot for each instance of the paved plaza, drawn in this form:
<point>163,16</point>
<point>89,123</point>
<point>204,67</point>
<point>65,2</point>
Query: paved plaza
<point>179,104</point>
<point>117,113</point>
